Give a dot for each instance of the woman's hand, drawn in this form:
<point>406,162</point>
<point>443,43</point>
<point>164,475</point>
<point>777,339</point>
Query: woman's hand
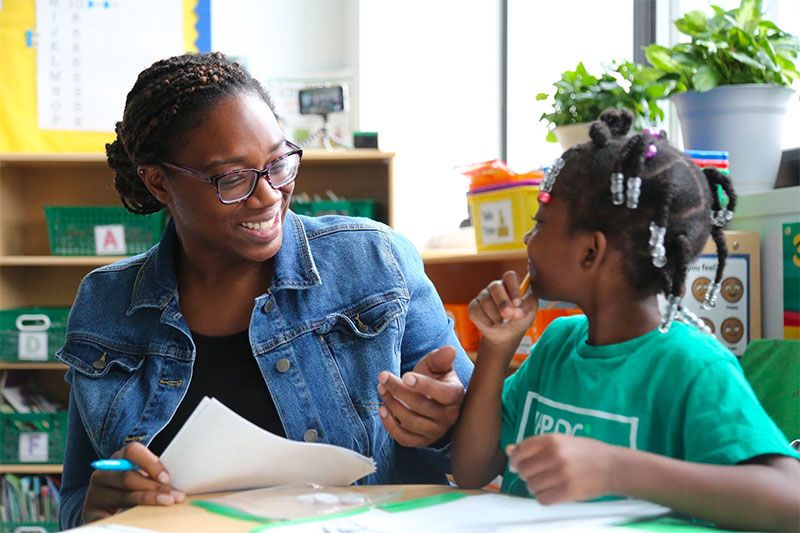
<point>421,408</point>
<point>112,490</point>
<point>561,468</point>
<point>500,313</point>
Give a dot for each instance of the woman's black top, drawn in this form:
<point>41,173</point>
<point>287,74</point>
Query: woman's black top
<point>225,369</point>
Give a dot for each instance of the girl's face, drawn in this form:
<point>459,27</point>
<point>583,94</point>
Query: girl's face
<point>238,132</point>
<point>553,254</point>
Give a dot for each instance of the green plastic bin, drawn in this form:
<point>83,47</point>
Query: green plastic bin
<point>353,208</point>
<point>33,438</point>
<point>32,334</point>
<point>72,229</point>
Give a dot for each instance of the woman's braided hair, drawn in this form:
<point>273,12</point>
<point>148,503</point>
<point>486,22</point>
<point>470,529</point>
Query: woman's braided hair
<point>675,194</point>
<point>169,98</point>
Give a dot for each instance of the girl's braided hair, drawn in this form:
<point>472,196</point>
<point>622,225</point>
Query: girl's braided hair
<point>675,194</point>
<point>169,98</point>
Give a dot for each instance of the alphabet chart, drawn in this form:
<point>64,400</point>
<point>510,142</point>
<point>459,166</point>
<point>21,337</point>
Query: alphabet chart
<point>88,54</point>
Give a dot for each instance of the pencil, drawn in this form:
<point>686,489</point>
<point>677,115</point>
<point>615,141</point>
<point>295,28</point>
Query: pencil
<point>526,281</point>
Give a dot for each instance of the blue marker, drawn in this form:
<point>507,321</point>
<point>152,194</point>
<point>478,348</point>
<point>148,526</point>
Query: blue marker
<point>114,464</point>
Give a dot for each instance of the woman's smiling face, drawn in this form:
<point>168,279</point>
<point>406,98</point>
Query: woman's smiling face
<point>237,132</point>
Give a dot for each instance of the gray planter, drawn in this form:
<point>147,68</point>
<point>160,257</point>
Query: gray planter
<point>745,120</point>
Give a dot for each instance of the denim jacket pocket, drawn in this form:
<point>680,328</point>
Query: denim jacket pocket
<point>104,389</point>
<point>96,360</point>
<point>365,321</point>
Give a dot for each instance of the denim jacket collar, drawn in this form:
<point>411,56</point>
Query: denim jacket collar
<point>157,283</point>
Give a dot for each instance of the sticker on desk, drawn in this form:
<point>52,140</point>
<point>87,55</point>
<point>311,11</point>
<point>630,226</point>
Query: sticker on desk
<point>33,447</point>
<point>110,240</point>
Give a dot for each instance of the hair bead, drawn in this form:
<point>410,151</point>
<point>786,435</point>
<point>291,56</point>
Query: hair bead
<point>710,299</point>
<point>669,313</point>
<point>657,250</point>
<point>721,217</point>
<point>633,192</point>
<point>617,188</point>
<point>549,179</point>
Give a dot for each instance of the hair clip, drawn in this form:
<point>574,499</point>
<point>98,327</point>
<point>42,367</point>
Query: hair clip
<point>689,317</point>
<point>633,192</point>
<point>651,151</point>
<point>711,296</point>
<point>549,179</point>
<point>721,218</point>
<point>653,132</point>
<point>657,250</point>
<point>617,188</point>
<point>669,313</point>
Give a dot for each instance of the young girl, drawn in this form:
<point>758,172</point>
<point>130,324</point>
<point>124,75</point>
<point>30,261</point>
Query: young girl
<point>625,400</point>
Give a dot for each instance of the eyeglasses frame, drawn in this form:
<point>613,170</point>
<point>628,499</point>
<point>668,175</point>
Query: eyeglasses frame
<point>215,179</point>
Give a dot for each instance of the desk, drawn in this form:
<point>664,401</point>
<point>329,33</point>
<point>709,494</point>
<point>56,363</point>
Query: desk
<point>191,518</point>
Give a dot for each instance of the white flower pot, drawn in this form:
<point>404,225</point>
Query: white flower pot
<point>744,120</point>
<point>570,135</point>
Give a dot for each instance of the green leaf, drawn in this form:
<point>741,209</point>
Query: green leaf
<point>747,60</point>
<point>789,42</point>
<point>542,96</point>
<point>551,137</point>
<point>661,58</point>
<point>705,79</point>
<point>748,15</point>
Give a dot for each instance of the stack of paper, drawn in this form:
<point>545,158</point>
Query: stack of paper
<point>217,450</point>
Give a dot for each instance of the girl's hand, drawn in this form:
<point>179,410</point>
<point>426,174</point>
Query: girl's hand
<point>560,468</point>
<point>500,313</point>
<point>112,490</point>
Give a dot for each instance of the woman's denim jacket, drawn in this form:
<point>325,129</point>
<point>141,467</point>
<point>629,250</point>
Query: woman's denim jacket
<point>348,298</point>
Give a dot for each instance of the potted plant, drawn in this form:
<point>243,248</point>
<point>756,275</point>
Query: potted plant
<point>730,85</point>
<point>580,97</point>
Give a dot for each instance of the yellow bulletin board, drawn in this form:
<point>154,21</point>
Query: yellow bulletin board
<point>20,130</point>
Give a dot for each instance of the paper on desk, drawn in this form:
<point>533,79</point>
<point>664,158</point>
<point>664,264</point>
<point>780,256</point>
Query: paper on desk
<point>488,513</point>
<point>216,450</point>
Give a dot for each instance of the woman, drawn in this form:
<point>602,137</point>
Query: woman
<point>302,325</point>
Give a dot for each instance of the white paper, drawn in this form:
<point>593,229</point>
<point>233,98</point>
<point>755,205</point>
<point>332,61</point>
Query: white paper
<point>217,450</point>
<point>489,513</point>
<point>88,55</point>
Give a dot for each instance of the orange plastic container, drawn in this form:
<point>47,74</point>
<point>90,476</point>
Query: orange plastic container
<point>468,334</point>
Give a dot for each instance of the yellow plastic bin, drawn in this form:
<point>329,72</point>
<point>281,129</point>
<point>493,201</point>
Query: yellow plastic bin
<point>501,213</point>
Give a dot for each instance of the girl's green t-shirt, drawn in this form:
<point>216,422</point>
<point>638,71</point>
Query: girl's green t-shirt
<point>681,394</point>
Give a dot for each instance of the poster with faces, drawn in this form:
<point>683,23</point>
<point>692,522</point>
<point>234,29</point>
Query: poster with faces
<point>729,320</point>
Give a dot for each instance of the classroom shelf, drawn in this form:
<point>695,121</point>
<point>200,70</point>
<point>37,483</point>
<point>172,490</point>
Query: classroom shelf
<point>32,366</point>
<point>30,276</point>
<point>31,469</point>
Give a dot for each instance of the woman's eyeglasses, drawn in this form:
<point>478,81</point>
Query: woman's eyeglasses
<point>238,185</point>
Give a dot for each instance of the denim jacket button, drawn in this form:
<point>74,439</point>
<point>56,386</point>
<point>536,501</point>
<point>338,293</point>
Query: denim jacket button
<point>99,364</point>
<point>283,365</point>
<point>268,306</point>
<point>310,435</point>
